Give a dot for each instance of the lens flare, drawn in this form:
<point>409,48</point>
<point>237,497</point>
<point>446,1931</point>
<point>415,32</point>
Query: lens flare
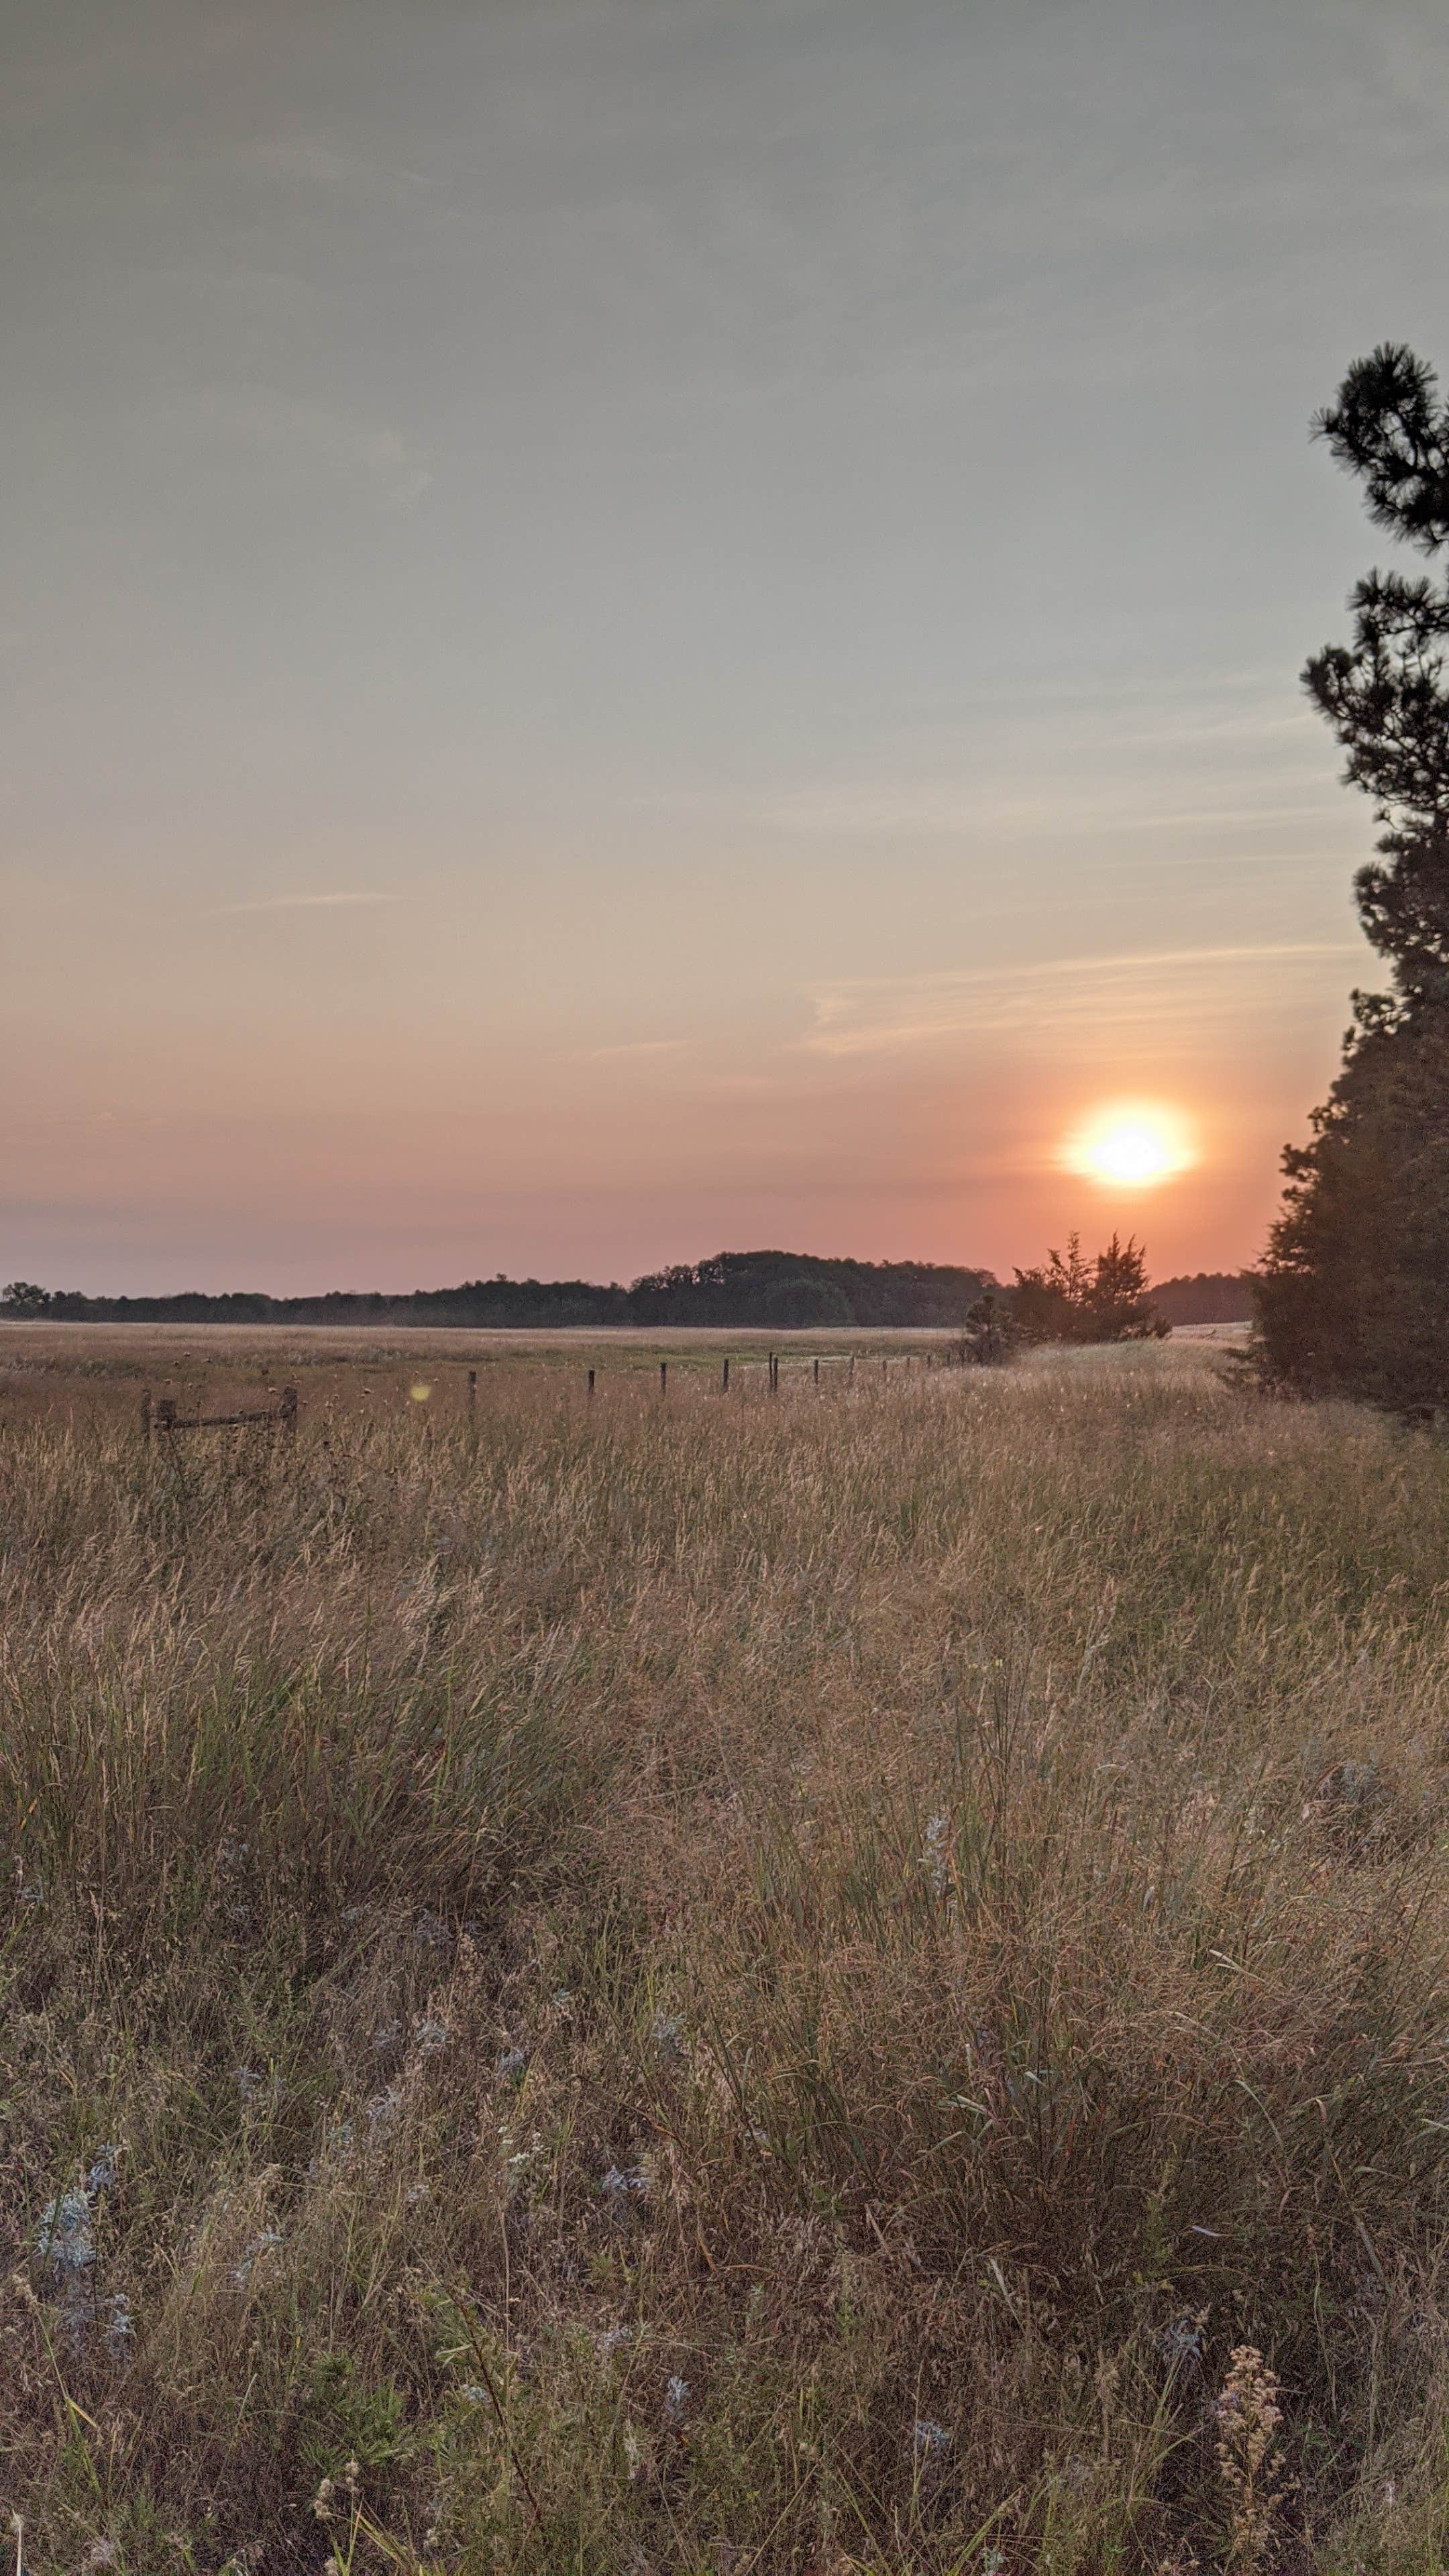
<point>1130,1145</point>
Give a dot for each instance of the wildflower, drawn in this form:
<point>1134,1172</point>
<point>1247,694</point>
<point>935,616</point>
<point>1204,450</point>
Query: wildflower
<point>667,2036</point>
<point>263,2244</point>
<point>612,2339</point>
<point>937,1830</point>
<point>431,2036</point>
<point>121,2329</point>
<point>472,2394</point>
<point>510,2061</point>
<point>1180,2343</point>
<point>247,2082</point>
<point>322,2502</point>
<point>383,2108</point>
<point>65,2242</point>
<point>102,2174</point>
<point>1249,2461</point>
<point>928,2438</point>
<point>620,2181</point>
<point>676,2398</point>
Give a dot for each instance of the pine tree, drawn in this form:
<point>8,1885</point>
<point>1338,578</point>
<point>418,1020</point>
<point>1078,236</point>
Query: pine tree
<point>1354,1291</point>
<point>1080,1300</point>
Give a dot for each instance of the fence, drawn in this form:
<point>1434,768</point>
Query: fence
<point>162,1416</point>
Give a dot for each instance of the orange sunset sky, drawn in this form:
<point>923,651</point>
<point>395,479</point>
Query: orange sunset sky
<point>665,624</point>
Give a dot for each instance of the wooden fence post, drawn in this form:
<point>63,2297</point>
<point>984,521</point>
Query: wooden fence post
<point>724,1377</point>
<point>591,1381</point>
<point>664,1377</point>
<point>817,1370</point>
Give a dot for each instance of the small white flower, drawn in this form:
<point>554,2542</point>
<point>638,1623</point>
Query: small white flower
<point>928,2438</point>
<point>620,2181</point>
<point>667,2036</point>
<point>676,2398</point>
<point>65,2240</point>
<point>263,2244</point>
<point>937,1831</point>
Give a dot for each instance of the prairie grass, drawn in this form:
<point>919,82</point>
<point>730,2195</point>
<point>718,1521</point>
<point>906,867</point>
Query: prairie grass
<point>849,1983</point>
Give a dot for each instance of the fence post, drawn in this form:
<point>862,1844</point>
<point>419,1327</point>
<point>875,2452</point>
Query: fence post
<point>664,1377</point>
<point>472,1393</point>
<point>591,1381</point>
<point>774,1374</point>
<point>724,1377</point>
<point>850,1372</point>
<point>146,1417</point>
<point>817,1369</point>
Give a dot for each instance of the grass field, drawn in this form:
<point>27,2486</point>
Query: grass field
<point>854,1980</point>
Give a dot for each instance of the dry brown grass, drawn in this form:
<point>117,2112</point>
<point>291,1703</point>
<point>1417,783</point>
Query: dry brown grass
<point>700,1985</point>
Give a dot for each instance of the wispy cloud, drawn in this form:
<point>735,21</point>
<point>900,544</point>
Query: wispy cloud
<point>300,903</point>
<point>881,1014</point>
<point>260,429</point>
<point>637,1046</point>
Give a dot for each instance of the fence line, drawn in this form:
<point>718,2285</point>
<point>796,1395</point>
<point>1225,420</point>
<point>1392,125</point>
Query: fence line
<point>160,1414</point>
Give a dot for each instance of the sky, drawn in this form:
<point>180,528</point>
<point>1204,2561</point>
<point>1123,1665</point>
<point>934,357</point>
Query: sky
<point>638,626</point>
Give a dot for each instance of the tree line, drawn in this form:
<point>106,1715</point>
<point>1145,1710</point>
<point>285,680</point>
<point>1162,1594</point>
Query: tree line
<point>786,1290</point>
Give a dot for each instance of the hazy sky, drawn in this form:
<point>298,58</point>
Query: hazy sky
<point>652,624</point>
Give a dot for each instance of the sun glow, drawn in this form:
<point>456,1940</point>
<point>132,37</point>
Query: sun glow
<point>1130,1146</point>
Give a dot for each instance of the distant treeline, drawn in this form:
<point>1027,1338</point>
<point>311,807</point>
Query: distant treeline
<point>784,1289</point>
<point>1210,1297</point>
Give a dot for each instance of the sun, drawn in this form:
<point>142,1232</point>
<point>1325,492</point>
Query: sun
<point>1130,1145</point>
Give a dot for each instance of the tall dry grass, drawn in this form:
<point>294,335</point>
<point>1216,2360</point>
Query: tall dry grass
<point>731,1984</point>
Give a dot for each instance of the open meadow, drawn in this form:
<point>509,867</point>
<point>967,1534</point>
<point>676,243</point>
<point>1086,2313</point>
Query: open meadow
<point>850,1979</point>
